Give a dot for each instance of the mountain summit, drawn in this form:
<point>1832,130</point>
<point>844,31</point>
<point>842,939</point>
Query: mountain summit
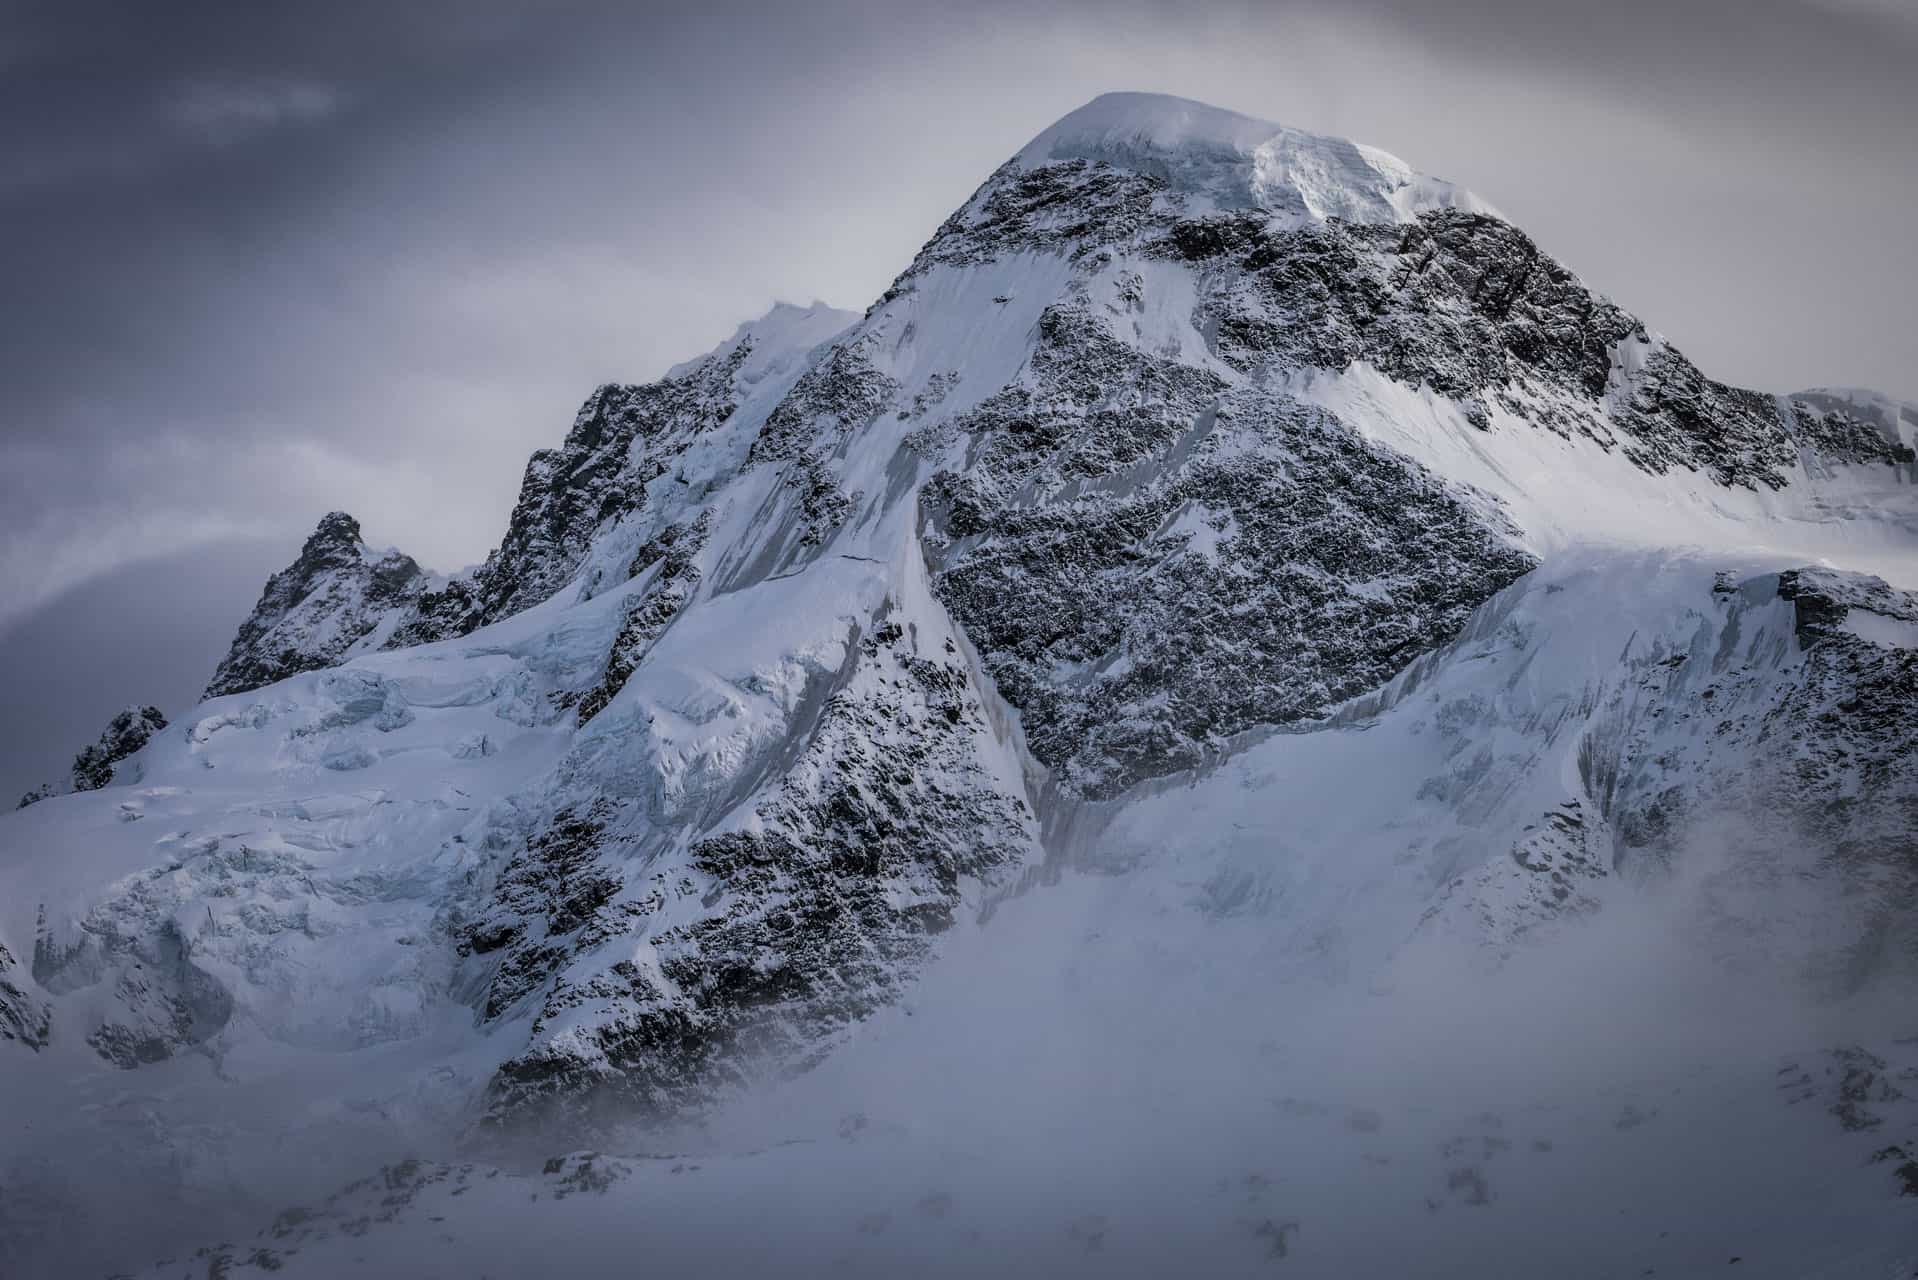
<point>319,609</point>
<point>1228,584</point>
<point>1235,161</point>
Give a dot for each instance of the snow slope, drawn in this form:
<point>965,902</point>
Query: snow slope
<point>1234,703</point>
<point>1106,1072</point>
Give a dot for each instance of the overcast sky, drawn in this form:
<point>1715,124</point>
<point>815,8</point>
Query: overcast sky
<point>261,260</point>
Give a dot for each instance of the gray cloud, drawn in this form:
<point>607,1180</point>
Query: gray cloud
<point>1901,12</point>
<point>224,112</point>
<point>140,632</point>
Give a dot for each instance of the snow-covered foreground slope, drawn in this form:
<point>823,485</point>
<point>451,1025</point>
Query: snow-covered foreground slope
<point>1260,1015</point>
<point>1238,716</point>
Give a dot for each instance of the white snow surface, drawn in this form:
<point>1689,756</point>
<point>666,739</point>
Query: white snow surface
<point>1228,160</point>
<point>1566,493</point>
<point>1227,1013</point>
<point>781,337</point>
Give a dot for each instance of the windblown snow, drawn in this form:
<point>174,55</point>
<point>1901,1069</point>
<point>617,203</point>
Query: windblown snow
<point>1233,161</point>
<point>1239,719</point>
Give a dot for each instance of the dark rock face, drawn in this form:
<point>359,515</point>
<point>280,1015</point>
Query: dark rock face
<point>1150,558</point>
<point>440,613</point>
<point>1074,208</point>
<point>154,1000</point>
<point>93,767</point>
<point>835,398</point>
<point>826,408</point>
<point>1851,784</point>
<point>316,609</point>
<point>1810,759</point>
<point>1462,302</point>
<point>1458,301</point>
<point>125,734</point>
<point>653,610</point>
<point>1468,305</point>
<point>171,1004</point>
<point>1149,563</point>
<point>622,439</point>
<point>1822,598</point>
<point>22,1017</point>
<point>1839,426</point>
<point>806,923</point>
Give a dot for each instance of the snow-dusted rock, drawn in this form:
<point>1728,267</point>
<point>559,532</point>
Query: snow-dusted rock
<point>125,734</point>
<point>24,1018</point>
<point>95,766</point>
<point>338,596</point>
<point>638,458</point>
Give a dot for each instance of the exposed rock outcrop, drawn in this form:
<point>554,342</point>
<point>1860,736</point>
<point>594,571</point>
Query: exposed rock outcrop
<point>23,1017</point>
<point>94,766</point>
<point>320,608</point>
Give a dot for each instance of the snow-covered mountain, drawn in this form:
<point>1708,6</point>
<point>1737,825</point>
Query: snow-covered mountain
<point>1229,584</point>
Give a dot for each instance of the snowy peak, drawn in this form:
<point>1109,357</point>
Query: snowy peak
<point>786,332</point>
<point>312,613</point>
<point>1233,161</point>
<point>337,534</point>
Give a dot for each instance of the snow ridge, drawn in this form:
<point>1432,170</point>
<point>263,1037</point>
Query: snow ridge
<point>1230,161</point>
